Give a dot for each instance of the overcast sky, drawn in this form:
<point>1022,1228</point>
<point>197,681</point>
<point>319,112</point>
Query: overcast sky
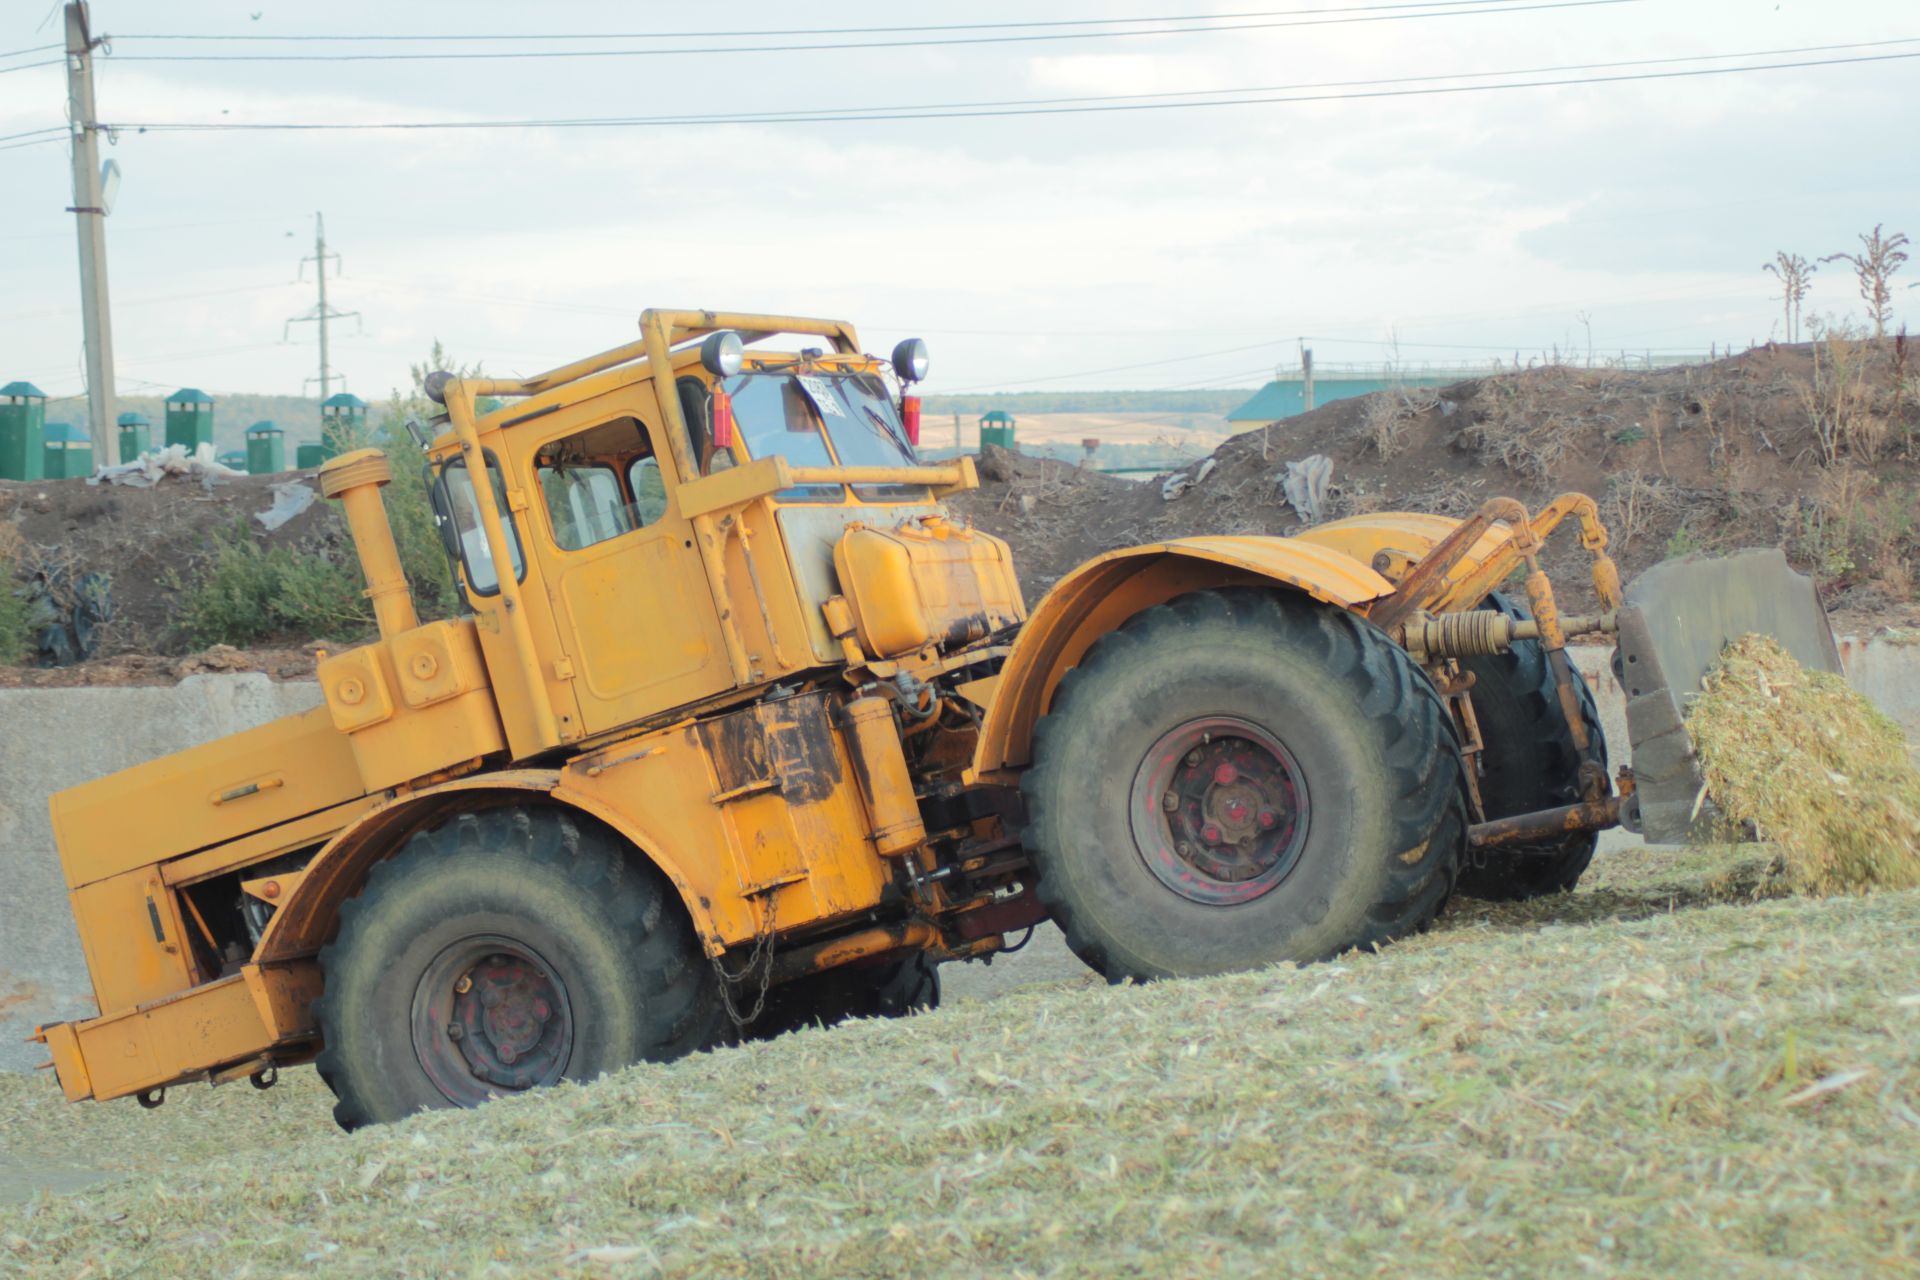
<point>1140,248</point>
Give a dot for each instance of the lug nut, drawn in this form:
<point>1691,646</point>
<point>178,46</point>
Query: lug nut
<point>1170,801</point>
<point>455,1031</point>
<point>490,997</point>
<point>1193,756</point>
<point>464,985</point>
<point>1210,833</point>
<point>541,1011</point>
<point>1224,773</point>
<point>1268,817</point>
<point>508,1053</point>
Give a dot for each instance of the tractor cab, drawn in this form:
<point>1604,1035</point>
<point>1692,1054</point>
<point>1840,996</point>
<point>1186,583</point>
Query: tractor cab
<point>692,517</point>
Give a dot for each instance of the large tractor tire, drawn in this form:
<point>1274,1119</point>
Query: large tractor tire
<point>506,950</point>
<point>887,989</point>
<point>1242,777</point>
<point>1530,763</point>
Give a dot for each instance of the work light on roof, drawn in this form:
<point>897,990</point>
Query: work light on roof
<point>910,360</point>
<point>722,353</point>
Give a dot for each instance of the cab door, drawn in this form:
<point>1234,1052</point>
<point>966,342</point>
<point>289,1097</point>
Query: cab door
<point>629,594</point>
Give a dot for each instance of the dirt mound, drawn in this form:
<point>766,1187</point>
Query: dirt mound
<point>152,668</point>
<point>1813,448</point>
<point>147,543</point>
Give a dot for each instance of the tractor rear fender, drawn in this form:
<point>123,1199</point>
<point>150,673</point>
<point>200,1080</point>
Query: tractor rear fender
<point>1396,540</point>
<point>1106,591</point>
<point>307,919</point>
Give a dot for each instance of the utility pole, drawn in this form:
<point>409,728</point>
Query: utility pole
<point>321,312</point>
<point>90,220</point>
<point>1306,376</point>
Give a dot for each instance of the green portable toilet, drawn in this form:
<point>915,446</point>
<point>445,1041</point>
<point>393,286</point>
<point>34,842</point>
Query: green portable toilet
<point>309,455</point>
<point>23,417</point>
<point>343,424</point>
<point>996,427</point>
<point>266,449</point>
<point>189,418</point>
<point>67,453</point>
<point>136,435</point>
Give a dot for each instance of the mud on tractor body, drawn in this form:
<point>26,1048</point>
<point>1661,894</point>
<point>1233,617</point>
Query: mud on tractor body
<point>742,730</point>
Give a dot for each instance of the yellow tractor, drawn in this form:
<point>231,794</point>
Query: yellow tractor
<point>740,729</point>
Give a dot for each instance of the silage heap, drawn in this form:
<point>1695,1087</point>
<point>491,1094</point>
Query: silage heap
<point>1811,767</point>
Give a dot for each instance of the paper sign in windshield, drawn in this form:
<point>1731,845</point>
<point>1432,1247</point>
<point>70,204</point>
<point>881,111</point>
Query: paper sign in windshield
<point>822,396</point>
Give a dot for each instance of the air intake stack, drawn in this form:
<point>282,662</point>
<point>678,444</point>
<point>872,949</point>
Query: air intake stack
<point>356,480</point>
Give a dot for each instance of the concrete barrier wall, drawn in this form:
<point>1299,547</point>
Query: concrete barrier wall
<point>54,738</point>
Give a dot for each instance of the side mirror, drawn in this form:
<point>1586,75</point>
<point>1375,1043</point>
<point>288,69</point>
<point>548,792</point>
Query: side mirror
<point>722,353</point>
<point>910,360</point>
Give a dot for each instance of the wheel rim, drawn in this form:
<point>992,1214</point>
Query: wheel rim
<point>1219,810</point>
<point>490,1016</point>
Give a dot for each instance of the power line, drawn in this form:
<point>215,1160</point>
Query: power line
<point>853,115</point>
<point>121,304</point>
<point>21,53</point>
<point>1346,18</point>
<point>450,37</point>
<point>1320,84</point>
<point>28,66</point>
<point>30,133</point>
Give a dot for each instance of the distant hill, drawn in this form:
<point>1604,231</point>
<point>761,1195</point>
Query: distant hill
<point>1215,400</point>
<point>299,416</point>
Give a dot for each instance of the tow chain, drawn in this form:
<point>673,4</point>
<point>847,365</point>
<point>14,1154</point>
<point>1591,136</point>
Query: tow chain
<point>761,958</point>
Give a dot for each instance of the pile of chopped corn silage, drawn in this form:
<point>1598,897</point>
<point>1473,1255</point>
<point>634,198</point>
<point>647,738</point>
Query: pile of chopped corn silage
<point>1655,1088</point>
<point>1811,768</point>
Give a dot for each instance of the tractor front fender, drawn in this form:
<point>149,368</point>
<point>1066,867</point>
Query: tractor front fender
<point>307,919</point>
<point>1106,591</point>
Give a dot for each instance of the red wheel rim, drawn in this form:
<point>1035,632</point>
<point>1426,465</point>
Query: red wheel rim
<point>491,1016</point>
<point>1219,810</point>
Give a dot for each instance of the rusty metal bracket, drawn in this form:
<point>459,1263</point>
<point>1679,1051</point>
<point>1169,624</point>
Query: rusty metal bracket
<point>1428,578</point>
<point>1524,828</point>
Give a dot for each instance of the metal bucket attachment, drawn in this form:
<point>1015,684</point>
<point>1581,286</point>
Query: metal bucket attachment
<point>1677,618</point>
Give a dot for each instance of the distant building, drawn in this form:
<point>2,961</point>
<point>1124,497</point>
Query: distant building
<point>1286,395</point>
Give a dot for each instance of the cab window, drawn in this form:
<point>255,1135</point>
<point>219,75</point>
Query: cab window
<point>470,538</point>
<point>600,483</point>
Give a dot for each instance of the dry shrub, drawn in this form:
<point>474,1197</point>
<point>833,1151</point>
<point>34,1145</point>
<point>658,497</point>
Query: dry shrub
<point>1387,417</point>
<point>1448,496</point>
<point>1532,422</point>
<point>1638,504</point>
<point>1843,402</point>
<point>1858,528</point>
<point>1812,767</point>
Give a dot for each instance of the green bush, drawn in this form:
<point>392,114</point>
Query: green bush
<point>410,511</point>
<point>16,640</point>
<point>249,592</point>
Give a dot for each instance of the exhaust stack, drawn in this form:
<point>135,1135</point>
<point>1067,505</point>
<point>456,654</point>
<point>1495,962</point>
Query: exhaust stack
<point>356,480</point>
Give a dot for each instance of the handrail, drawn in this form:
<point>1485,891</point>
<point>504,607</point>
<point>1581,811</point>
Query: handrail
<point>935,476</point>
<point>672,325</point>
<point>762,477</point>
<point>519,631</point>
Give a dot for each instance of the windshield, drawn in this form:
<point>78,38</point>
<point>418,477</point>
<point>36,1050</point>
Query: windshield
<point>816,419</point>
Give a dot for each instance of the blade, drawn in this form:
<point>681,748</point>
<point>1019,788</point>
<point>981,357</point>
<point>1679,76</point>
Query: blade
<point>1678,617</point>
